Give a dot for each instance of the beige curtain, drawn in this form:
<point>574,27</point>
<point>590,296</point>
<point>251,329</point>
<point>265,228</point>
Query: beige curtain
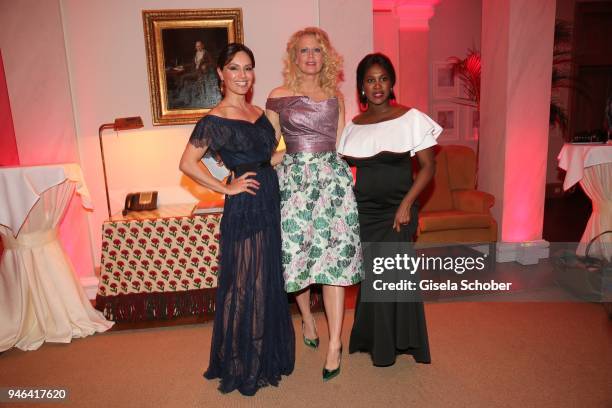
<point>40,297</point>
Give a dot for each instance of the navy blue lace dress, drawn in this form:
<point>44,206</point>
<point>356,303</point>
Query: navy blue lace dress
<point>253,342</point>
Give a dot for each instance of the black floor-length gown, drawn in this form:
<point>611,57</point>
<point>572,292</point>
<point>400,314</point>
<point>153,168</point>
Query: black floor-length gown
<point>385,329</point>
<point>382,153</point>
<point>253,341</point>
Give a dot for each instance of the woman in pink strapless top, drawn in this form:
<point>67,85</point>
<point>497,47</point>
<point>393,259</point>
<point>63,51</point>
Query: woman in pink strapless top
<point>319,221</point>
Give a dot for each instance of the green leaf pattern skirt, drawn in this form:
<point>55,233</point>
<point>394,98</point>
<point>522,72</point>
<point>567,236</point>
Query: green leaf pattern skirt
<point>319,221</point>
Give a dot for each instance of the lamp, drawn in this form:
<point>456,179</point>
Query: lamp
<point>134,122</point>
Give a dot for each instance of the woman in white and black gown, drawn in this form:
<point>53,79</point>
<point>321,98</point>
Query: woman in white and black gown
<point>380,143</point>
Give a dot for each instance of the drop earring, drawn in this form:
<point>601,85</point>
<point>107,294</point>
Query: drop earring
<point>363,106</point>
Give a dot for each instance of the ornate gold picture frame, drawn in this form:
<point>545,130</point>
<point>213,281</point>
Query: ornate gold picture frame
<point>182,49</point>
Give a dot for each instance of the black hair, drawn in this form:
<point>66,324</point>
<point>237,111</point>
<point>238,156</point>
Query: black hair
<point>227,54</point>
<point>366,63</point>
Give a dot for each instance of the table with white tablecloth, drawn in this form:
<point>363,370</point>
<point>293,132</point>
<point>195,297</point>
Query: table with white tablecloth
<point>41,299</point>
<point>591,166</point>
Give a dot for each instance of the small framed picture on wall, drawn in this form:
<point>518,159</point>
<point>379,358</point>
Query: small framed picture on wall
<point>471,120</point>
<point>447,116</point>
<point>445,85</point>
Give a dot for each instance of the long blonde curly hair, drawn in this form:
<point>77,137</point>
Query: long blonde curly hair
<point>331,73</point>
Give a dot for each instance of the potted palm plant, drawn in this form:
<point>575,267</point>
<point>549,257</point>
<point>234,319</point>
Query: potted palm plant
<point>468,71</point>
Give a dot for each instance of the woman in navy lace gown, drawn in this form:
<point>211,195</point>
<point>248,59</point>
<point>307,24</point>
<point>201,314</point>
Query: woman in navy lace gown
<point>253,342</point>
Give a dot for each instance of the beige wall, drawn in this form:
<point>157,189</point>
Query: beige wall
<point>37,77</point>
<point>32,42</point>
<point>349,25</point>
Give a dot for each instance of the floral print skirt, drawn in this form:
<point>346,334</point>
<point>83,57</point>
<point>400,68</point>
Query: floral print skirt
<point>319,221</point>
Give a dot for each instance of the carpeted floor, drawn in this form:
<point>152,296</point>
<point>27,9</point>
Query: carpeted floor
<point>484,355</point>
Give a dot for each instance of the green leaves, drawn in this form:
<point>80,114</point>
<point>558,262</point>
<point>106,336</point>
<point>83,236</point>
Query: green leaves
<point>290,226</point>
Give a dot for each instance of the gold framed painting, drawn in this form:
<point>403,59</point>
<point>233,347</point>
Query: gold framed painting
<point>182,48</point>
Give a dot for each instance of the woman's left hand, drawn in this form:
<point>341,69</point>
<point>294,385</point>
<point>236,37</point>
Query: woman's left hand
<point>402,216</point>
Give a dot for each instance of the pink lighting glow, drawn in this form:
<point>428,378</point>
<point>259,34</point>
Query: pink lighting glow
<point>525,171</point>
<point>412,14</point>
<point>515,106</point>
<point>9,155</point>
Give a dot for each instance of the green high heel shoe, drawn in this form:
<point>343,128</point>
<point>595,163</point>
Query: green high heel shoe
<point>312,343</point>
<point>329,374</point>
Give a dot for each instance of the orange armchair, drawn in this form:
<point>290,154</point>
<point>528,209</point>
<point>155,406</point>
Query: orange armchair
<point>452,210</point>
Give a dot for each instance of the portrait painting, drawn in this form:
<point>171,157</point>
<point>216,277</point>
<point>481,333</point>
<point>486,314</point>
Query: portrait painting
<point>182,51</point>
